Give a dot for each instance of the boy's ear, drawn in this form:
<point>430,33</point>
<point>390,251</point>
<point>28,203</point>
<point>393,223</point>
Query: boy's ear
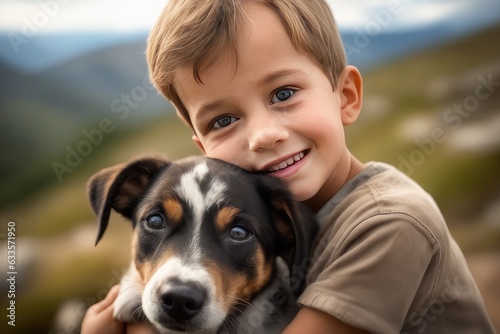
<point>198,143</point>
<point>351,94</point>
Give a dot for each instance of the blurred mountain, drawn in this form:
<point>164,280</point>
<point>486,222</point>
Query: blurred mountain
<point>372,46</point>
<point>55,87</point>
<point>34,52</point>
<point>31,51</point>
<point>82,84</point>
<point>43,112</point>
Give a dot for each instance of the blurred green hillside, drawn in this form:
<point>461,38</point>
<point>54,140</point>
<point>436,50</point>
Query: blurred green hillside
<point>407,103</point>
<point>422,115</point>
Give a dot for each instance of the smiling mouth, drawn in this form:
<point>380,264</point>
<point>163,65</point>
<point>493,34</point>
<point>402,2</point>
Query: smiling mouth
<point>288,162</point>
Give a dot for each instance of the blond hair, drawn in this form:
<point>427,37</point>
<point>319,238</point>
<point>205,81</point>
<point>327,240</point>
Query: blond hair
<point>194,32</point>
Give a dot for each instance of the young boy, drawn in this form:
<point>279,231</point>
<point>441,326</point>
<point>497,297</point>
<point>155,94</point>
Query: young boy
<point>264,85</point>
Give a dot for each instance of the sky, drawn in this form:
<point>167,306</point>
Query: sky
<point>52,16</point>
<point>36,34</point>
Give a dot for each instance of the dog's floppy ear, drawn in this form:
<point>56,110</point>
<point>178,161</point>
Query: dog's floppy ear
<point>296,227</point>
<point>121,188</point>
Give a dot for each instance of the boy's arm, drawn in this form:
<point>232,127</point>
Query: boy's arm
<point>309,320</point>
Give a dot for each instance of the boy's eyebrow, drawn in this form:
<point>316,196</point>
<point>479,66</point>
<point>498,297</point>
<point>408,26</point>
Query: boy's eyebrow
<point>276,75</point>
<point>208,107</point>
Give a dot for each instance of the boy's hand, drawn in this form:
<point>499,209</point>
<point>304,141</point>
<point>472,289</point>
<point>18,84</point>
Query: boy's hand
<point>99,317</point>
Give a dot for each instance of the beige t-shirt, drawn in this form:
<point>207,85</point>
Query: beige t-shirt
<point>386,262</point>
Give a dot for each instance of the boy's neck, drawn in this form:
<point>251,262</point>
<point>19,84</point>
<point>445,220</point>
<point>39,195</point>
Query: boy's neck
<point>352,168</point>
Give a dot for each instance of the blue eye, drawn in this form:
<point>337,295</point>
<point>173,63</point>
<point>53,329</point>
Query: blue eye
<point>224,121</point>
<point>239,233</point>
<point>155,222</point>
<point>282,95</point>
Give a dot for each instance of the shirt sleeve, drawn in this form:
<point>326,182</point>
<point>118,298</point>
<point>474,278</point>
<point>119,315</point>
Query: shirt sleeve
<point>371,278</point>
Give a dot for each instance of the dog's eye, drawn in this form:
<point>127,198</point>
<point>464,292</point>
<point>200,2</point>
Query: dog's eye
<point>155,221</point>
<point>239,233</point>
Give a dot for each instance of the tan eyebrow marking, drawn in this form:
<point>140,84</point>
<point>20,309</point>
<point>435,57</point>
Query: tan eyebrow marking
<point>225,216</point>
<point>173,208</point>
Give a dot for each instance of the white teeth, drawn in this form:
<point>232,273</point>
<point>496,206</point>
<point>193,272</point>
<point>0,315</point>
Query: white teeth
<point>298,157</point>
<point>288,162</point>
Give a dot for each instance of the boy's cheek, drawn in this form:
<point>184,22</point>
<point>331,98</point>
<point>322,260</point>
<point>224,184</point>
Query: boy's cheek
<point>225,150</point>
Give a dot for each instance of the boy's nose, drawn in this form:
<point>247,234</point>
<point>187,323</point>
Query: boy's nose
<point>266,137</point>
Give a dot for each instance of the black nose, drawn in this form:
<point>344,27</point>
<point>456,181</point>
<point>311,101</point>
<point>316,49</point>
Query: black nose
<point>182,301</point>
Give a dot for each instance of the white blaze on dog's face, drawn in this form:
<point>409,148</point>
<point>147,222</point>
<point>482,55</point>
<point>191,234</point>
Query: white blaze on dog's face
<point>206,234</point>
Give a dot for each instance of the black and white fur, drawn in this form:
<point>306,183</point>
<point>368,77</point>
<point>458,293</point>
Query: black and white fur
<point>215,249</point>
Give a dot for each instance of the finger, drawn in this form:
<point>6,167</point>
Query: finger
<point>107,301</point>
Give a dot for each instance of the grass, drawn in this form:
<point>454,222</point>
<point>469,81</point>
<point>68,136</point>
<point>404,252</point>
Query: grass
<point>451,177</point>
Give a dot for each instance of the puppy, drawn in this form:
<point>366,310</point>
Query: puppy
<point>215,249</point>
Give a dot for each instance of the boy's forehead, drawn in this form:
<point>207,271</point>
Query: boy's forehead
<point>263,48</point>
<point>256,28</point>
